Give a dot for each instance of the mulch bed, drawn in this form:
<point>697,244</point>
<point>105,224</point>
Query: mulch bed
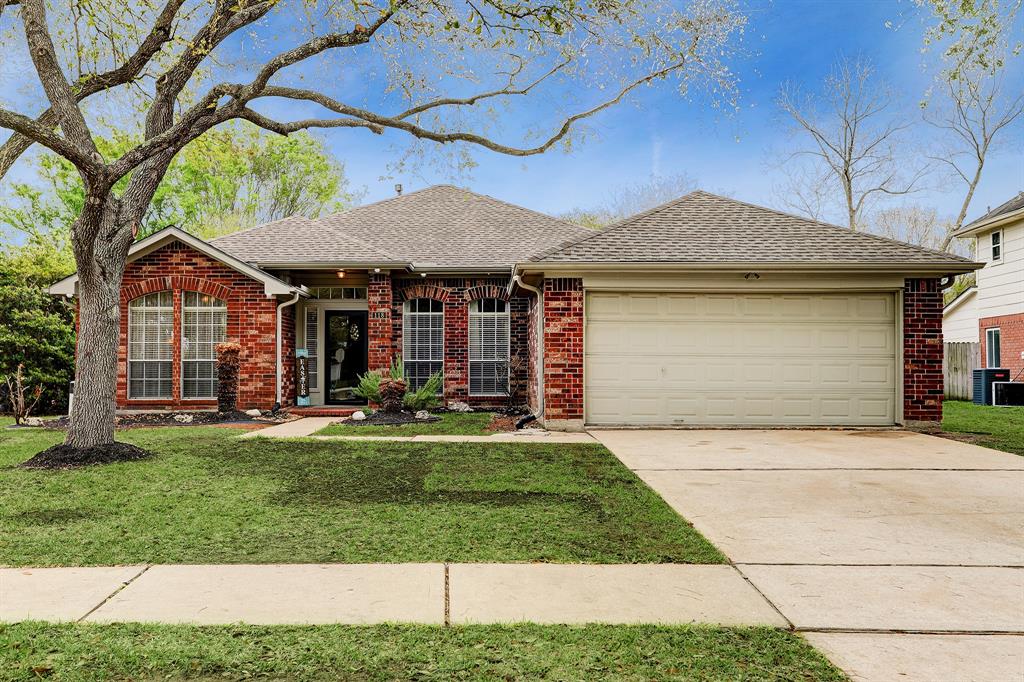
<point>503,422</point>
<point>150,419</point>
<point>69,457</point>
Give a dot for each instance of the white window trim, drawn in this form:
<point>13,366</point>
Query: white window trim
<point>405,317</point>
<point>508,349</point>
<point>993,246</point>
<point>181,342</point>
<point>128,351</point>
<point>988,347</point>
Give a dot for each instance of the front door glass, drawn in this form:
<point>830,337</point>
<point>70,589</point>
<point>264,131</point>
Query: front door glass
<point>346,354</point>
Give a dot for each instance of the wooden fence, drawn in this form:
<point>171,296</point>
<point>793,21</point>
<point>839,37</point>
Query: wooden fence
<point>958,364</point>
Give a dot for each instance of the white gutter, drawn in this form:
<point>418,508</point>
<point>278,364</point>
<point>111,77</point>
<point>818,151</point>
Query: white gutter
<point>540,339</point>
<point>280,307</point>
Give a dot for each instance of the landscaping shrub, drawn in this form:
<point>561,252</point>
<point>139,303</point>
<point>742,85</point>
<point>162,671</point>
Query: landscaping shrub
<point>392,393</point>
<point>426,396</point>
<point>227,376</point>
<point>369,383</point>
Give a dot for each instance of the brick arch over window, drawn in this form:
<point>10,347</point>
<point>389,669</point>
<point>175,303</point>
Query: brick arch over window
<point>431,291</point>
<point>486,291</point>
<point>171,282</point>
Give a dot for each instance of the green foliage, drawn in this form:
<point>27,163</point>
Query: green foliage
<point>426,396</point>
<point>231,178</point>
<point>38,329</point>
<point>369,383</point>
<point>449,424</point>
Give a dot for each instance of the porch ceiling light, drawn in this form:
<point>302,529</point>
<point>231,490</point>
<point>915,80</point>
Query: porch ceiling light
<point>340,274</point>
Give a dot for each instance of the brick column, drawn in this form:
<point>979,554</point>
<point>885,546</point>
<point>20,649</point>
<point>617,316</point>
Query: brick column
<point>456,346</point>
<point>922,351</point>
<point>379,342</point>
<point>563,353</point>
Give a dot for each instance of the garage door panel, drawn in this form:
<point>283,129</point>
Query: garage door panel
<point>736,359</point>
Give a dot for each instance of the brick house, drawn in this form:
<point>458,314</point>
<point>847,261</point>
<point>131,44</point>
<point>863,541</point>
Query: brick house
<point>705,310</point>
<point>992,312</point>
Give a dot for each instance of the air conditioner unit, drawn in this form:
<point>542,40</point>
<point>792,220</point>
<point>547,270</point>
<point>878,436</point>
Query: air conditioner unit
<point>983,379</point>
<point>1007,393</point>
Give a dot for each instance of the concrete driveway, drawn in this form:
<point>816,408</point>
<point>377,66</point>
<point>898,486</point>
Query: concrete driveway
<point>900,555</point>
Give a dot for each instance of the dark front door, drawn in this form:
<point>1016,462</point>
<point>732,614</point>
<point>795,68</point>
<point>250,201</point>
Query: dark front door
<point>346,354</point>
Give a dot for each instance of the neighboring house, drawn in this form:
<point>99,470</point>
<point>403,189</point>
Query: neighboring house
<point>999,301</point>
<point>705,310</point>
<point>960,317</point>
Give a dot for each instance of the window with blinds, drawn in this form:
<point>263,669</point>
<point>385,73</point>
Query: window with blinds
<point>204,321</point>
<point>150,355</point>
<point>312,316</point>
<point>422,340</point>
<point>488,347</point>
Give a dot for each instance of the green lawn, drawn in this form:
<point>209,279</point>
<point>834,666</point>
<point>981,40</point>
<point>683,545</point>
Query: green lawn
<point>30,651</point>
<point>454,423</point>
<point>209,498</point>
<point>1001,428</point>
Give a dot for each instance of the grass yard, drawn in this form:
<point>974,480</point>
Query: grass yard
<point>209,498</point>
<point>451,424</point>
<point>29,651</point>
<point>1001,428</point>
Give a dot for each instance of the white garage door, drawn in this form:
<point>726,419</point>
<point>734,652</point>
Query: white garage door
<point>656,358</point>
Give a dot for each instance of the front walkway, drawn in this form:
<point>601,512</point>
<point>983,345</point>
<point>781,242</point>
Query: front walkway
<point>379,593</point>
<point>306,427</point>
<point>899,555</point>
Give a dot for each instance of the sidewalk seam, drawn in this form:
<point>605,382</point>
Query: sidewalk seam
<point>764,596</point>
<point>447,597</point>
<point>116,592</point>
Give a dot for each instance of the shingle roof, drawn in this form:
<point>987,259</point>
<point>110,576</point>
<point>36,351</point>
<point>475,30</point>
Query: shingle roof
<point>299,240</point>
<point>450,227</point>
<point>441,226</point>
<point>1014,204</point>
<point>705,228</point>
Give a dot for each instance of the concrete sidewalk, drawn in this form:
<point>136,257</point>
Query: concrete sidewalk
<point>306,427</point>
<point>378,593</point>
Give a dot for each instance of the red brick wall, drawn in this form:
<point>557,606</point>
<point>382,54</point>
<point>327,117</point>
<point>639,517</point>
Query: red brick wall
<point>922,350</point>
<point>251,323</point>
<point>456,294</point>
<point>563,349</point>
<point>1011,342</point>
<point>380,346</point>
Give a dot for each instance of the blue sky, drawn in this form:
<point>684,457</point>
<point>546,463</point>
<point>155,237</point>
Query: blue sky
<point>661,133</point>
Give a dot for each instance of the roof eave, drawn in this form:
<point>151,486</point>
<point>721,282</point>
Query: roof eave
<point>990,224</point>
<point>272,286</point>
<point>946,268</point>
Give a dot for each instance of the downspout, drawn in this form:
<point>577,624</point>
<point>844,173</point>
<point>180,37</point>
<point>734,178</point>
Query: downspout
<point>516,280</point>
<point>280,307</point>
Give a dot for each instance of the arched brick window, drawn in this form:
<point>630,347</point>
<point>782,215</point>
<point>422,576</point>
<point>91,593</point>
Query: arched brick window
<point>204,321</point>
<point>488,347</point>
<point>422,340</point>
<point>150,350</point>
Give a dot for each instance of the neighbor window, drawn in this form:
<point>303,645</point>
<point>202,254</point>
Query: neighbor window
<point>204,321</point>
<point>488,347</point>
<point>997,245</point>
<point>992,347</point>
<point>150,354</point>
<point>422,340</point>
<point>311,345</point>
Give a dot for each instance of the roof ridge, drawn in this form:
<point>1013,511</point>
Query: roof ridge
<point>995,211</point>
<point>847,230</point>
<point>519,208</point>
<point>618,224</point>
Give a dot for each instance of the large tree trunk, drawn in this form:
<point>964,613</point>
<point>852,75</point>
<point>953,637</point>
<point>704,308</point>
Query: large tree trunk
<point>101,265</point>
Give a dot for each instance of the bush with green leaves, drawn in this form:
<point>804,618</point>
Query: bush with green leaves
<point>424,398</point>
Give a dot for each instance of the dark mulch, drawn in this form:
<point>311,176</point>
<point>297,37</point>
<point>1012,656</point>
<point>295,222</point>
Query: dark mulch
<point>151,419</point>
<point>390,419</point>
<point>70,457</point>
<point>502,422</point>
